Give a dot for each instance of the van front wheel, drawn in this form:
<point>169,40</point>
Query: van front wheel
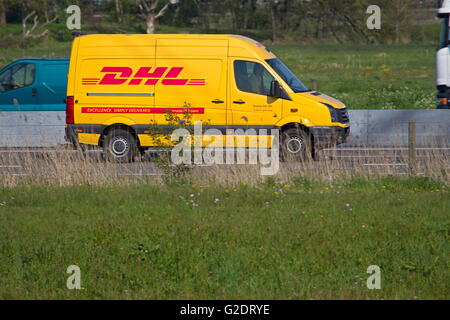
<point>295,145</point>
<point>120,146</point>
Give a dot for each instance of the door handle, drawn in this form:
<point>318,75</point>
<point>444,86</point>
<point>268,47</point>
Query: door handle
<point>240,101</point>
<point>34,92</point>
<point>217,101</point>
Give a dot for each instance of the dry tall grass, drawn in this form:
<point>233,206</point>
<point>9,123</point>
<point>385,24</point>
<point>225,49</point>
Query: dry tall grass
<point>66,167</point>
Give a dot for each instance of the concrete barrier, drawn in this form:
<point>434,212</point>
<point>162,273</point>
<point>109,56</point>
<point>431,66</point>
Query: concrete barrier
<point>389,128</point>
<point>377,128</point>
<point>32,129</point>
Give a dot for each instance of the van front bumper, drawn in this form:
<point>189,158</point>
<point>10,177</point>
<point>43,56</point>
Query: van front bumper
<point>330,136</point>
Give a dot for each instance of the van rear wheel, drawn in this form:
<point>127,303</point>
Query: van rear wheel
<point>295,145</point>
<point>120,146</point>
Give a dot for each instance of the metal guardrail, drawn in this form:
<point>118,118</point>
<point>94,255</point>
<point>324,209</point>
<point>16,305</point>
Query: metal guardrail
<point>377,128</point>
<point>389,128</point>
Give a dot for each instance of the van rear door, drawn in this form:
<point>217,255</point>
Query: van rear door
<point>115,84</point>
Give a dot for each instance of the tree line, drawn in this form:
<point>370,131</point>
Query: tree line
<point>340,21</point>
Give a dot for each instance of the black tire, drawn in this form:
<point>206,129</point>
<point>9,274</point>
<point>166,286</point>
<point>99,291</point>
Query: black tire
<point>295,145</point>
<point>120,146</point>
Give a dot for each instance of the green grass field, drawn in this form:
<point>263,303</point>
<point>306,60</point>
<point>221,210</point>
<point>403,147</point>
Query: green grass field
<point>363,77</point>
<point>299,241</point>
<point>368,77</point>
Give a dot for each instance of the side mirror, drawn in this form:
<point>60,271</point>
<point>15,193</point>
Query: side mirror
<point>275,89</point>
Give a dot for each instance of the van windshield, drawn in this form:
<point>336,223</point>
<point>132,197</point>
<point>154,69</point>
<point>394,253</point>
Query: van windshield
<point>287,75</point>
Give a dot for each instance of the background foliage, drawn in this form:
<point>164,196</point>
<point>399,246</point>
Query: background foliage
<point>280,21</point>
<point>325,40</point>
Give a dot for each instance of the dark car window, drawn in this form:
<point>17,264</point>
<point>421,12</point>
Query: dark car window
<point>22,76</point>
<point>18,76</point>
<point>443,38</point>
<point>252,77</point>
<point>287,75</point>
<point>5,80</point>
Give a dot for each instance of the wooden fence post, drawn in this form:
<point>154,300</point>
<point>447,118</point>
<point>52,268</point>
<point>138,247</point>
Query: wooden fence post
<point>314,85</point>
<point>412,147</point>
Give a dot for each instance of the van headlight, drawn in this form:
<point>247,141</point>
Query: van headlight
<point>333,112</point>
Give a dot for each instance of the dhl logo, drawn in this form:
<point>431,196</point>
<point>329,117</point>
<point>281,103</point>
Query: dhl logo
<point>146,75</point>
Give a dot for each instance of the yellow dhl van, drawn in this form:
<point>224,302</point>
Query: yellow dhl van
<point>119,84</point>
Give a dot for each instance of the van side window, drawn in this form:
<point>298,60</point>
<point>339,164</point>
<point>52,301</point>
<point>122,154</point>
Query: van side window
<point>18,76</point>
<point>5,80</point>
<point>252,77</point>
<point>23,75</point>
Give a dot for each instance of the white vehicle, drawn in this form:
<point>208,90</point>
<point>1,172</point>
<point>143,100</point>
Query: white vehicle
<point>442,58</point>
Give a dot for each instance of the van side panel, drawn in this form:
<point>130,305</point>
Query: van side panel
<point>52,89</point>
<point>201,86</point>
<point>192,47</point>
<point>110,88</point>
<point>115,83</point>
<point>197,78</point>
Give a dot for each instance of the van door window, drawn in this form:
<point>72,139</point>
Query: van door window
<point>252,77</point>
<point>22,75</point>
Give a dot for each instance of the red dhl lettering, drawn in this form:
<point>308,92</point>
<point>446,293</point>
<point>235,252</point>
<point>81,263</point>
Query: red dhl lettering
<point>145,75</point>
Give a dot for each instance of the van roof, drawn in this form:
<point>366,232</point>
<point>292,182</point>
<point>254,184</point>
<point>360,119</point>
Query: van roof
<point>239,45</point>
<point>165,35</point>
<point>44,59</point>
<point>35,59</point>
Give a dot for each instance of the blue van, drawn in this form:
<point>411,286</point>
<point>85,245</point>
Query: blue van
<point>34,85</point>
<point>32,102</point>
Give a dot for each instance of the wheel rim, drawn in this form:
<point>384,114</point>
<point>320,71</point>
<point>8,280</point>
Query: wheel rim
<point>119,146</point>
<point>294,145</point>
